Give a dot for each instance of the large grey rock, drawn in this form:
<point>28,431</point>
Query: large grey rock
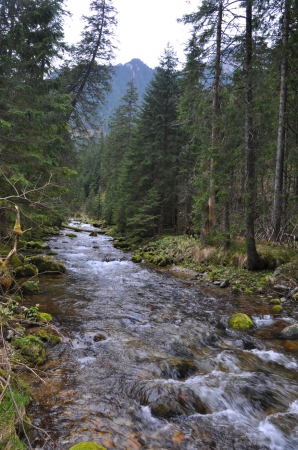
<point>290,332</point>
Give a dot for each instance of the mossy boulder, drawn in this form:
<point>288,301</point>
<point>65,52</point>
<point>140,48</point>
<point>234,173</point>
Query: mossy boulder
<point>71,235</point>
<point>87,446</point>
<point>277,309</point>
<point>121,244</point>
<point>93,234</point>
<point>34,244</point>
<point>240,321</point>
<point>290,332</point>
<point>31,348</point>
<point>46,263</point>
<point>275,301</point>
<point>28,270</point>
<point>44,317</point>
<point>137,258</point>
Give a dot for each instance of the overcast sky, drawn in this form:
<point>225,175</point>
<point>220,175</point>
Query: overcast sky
<point>144,27</point>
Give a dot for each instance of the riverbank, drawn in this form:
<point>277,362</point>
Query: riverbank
<point>226,270</point>
<point>25,334</point>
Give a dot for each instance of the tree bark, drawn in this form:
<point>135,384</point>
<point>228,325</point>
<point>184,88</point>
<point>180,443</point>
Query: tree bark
<point>252,255</point>
<point>215,109</point>
<point>279,165</point>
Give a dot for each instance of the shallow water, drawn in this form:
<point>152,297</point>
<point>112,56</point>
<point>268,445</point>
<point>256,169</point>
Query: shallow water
<point>150,363</point>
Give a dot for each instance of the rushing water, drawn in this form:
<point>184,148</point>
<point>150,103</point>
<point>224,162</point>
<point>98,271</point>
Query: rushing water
<point>150,363</point>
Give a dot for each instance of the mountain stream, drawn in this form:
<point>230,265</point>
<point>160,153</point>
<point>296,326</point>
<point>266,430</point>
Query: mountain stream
<point>149,362</point>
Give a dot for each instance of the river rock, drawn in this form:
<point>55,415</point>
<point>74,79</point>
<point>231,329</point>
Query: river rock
<point>290,332</point>
<point>46,264</point>
<point>240,321</point>
<point>28,270</point>
<point>224,283</point>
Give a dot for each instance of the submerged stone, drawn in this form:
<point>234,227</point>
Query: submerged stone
<point>87,446</point>
<point>290,332</point>
<point>240,321</point>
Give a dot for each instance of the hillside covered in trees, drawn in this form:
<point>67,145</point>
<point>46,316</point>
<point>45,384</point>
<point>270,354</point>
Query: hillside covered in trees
<point>210,149</point>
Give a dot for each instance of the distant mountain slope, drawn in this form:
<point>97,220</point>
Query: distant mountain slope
<point>142,75</point>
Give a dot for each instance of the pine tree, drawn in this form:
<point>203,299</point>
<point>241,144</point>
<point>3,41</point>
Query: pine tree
<point>121,128</point>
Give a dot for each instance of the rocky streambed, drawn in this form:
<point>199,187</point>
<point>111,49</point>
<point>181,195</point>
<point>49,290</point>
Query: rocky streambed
<point>150,362</point>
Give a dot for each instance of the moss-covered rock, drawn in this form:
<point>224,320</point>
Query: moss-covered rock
<point>137,258</point>
<point>28,270</point>
<point>44,317</point>
<point>34,244</point>
<point>87,446</point>
<point>54,339</point>
<point>275,301</point>
<point>46,263</point>
<point>43,335</point>
<point>93,234</point>
<point>30,287</point>
<point>71,235</point>
<point>277,309</point>
<point>31,348</point>
<point>240,321</point>
<point>121,244</point>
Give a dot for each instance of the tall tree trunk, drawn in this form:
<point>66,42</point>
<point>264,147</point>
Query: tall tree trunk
<point>252,255</point>
<point>215,110</point>
<point>279,165</point>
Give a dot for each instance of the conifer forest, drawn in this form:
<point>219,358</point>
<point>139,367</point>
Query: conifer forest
<point>210,150</point>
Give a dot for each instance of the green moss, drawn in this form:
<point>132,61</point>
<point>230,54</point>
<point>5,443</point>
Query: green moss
<point>28,270</point>
<point>277,309</point>
<point>71,235</point>
<point>95,246</point>
<point>43,335</point>
<point>137,258</point>
<point>30,287</point>
<point>248,291</point>
<point>31,348</point>
<point>275,301</point>
<point>87,446</point>
<point>54,339</point>
<point>15,261</point>
<point>33,244</point>
<point>240,321</point>
<point>44,317</point>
